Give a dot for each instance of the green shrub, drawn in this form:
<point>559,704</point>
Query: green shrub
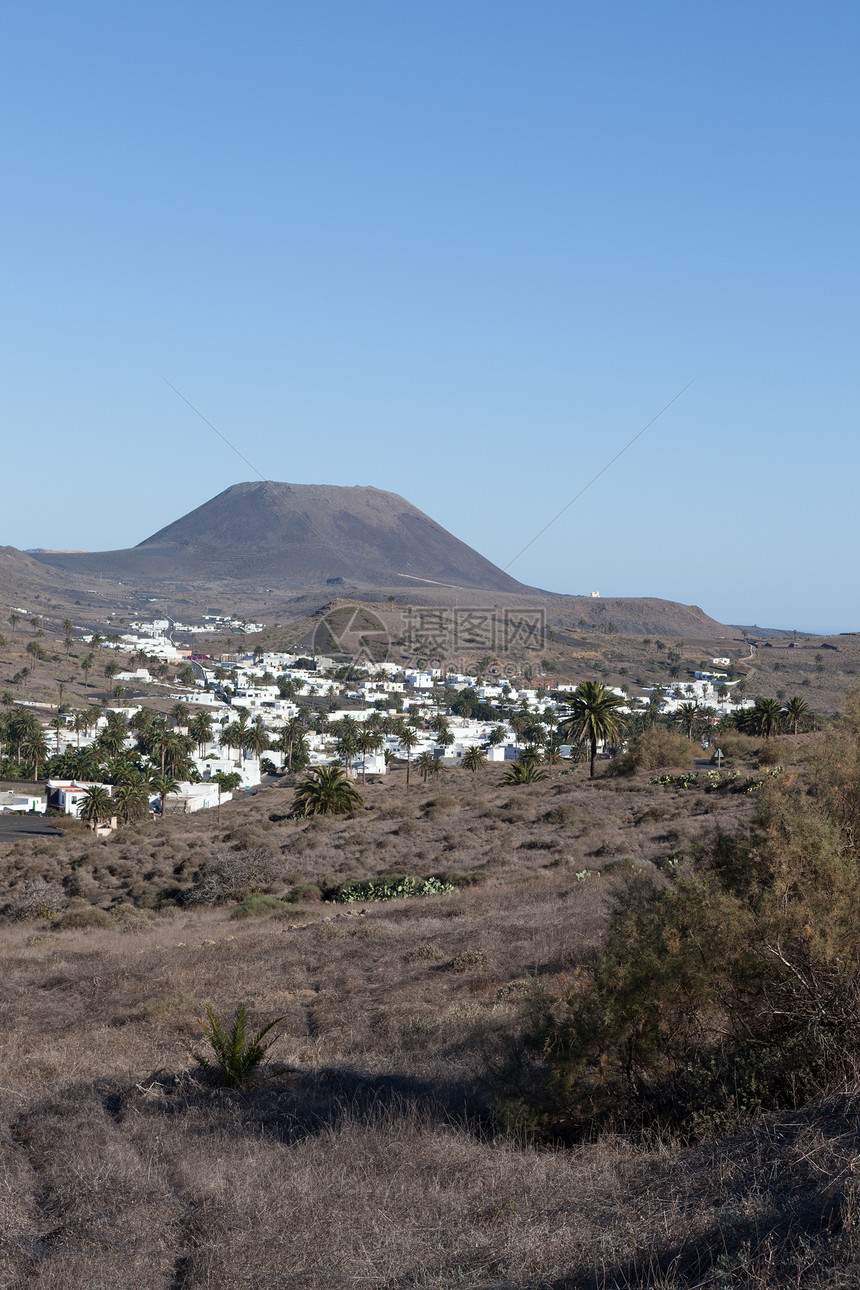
<point>79,919</point>
<point>392,887</point>
<point>257,904</point>
<point>237,1057</point>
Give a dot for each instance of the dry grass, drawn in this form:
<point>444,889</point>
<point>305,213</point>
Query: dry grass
<point>367,1157</point>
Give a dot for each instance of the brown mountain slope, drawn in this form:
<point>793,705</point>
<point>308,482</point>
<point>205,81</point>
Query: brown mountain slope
<point>297,536</point>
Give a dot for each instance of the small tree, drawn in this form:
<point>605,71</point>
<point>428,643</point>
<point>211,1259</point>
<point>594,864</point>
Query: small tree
<point>226,783</point>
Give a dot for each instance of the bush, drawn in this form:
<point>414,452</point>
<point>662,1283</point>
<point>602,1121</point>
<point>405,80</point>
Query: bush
<point>564,813</point>
<point>736,745</point>
<point>256,905</point>
<point>451,878</point>
<point>35,899</point>
<point>771,754</point>
<point>305,891</point>
<point>80,919</point>
<point>233,875</point>
<point>467,959</point>
<point>653,750</point>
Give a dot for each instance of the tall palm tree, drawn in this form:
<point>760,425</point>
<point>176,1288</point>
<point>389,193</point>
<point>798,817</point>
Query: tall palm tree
<point>474,758</point>
<point>797,710</point>
<point>292,731</point>
<point>179,713</point>
<point>768,716</point>
<point>200,730</point>
<point>326,791</point>
<point>36,749</point>
<point>176,753</point>
<point>594,716</point>
<point>57,724</point>
<point>688,715</point>
<point>231,737</point>
<point>408,740</point>
<point>256,740</point>
<point>131,797</point>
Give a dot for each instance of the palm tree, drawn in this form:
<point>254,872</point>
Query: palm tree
<point>36,748</point>
<point>292,731</point>
<point>200,730</point>
<point>797,710</point>
<point>326,791</point>
<point>428,765</point>
<point>594,716</point>
<point>768,716</point>
<point>57,724</point>
<point>525,772</point>
<point>176,751</point>
<point>86,663</point>
<point>231,737</point>
<point>179,713</point>
<point>474,758</point>
<point>131,797</point>
<point>408,740</point>
<point>112,740</point>
<point>164,785</point>
<point>369,740</point>
<point>96,805</point>
<point>256,740</point>
<point>688,714</point>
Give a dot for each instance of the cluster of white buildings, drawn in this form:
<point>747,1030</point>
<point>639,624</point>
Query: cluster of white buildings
<point>383,688</point>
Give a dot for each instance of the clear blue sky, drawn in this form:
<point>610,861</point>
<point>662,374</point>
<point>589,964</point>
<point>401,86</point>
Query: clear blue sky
<point>463,250</point>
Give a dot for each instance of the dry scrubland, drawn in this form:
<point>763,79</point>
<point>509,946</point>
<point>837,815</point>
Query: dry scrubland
<point>367,1155</point>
